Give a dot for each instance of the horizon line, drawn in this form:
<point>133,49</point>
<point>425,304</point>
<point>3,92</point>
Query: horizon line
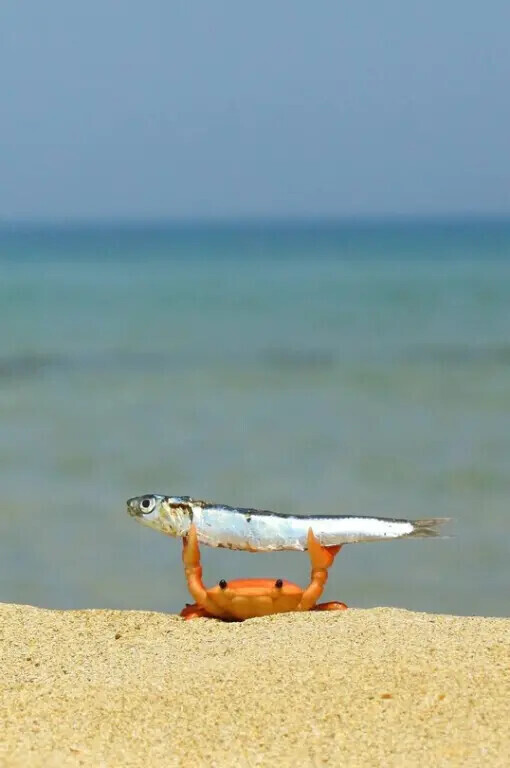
<point>189,222</point>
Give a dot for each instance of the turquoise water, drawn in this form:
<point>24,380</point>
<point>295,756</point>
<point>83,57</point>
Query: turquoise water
<point>359,369</point>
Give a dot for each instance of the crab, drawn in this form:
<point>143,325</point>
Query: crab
<point>246,598</point>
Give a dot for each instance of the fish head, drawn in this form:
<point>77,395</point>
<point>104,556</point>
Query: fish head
<point>169,514</point>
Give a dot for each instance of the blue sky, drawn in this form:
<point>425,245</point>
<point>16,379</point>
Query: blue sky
<point>288,108</point>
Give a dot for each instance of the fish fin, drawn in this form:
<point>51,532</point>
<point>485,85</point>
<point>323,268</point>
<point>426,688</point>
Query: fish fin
<point>429,527</point>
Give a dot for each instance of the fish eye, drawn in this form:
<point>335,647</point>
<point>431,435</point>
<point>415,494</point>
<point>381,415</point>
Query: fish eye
<point>147,504</point>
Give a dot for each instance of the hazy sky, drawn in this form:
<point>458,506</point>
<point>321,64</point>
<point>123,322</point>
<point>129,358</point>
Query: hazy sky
<point>274,107</point>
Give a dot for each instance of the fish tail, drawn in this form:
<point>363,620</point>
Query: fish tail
<point>427,527</point>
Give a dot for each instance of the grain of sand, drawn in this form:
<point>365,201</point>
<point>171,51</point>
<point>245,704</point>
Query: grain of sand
<point>379,687</point>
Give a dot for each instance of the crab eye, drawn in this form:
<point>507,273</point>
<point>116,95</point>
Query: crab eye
<point>147,504</point>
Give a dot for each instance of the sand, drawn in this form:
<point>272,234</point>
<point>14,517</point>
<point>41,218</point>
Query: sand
<point>379,687</point>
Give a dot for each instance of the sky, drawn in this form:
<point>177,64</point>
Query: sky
<point>115,109</point>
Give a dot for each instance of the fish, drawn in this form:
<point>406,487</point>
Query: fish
<point>257,530</point>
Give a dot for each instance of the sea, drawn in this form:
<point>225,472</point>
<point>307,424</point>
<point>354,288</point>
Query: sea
<point>308,367</point>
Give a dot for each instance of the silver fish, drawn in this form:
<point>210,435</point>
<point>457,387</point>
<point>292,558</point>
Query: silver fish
<point>263,531</point>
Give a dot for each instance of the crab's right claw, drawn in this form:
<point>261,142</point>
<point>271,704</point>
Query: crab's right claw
<point>193,573</point>
<point>190,550</point>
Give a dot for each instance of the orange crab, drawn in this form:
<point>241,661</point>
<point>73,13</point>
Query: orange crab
<point>246,598</point>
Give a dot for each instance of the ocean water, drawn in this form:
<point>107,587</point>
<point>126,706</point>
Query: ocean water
<point>350,368</point>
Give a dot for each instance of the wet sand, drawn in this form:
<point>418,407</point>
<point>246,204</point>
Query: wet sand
<point>362,688</point>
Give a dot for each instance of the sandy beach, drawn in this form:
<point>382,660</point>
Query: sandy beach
<point>363,688</point>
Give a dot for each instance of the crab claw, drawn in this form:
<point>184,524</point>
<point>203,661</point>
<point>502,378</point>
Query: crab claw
<point>190,550</point>
<point>321,557</point>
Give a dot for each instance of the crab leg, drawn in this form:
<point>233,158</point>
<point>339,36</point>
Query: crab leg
<point>195,611</point>
<point>193,572</point>
<point>321,559</point>
<point>332,605</point>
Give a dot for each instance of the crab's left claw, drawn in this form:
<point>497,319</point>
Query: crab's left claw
<point>321,559</point>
